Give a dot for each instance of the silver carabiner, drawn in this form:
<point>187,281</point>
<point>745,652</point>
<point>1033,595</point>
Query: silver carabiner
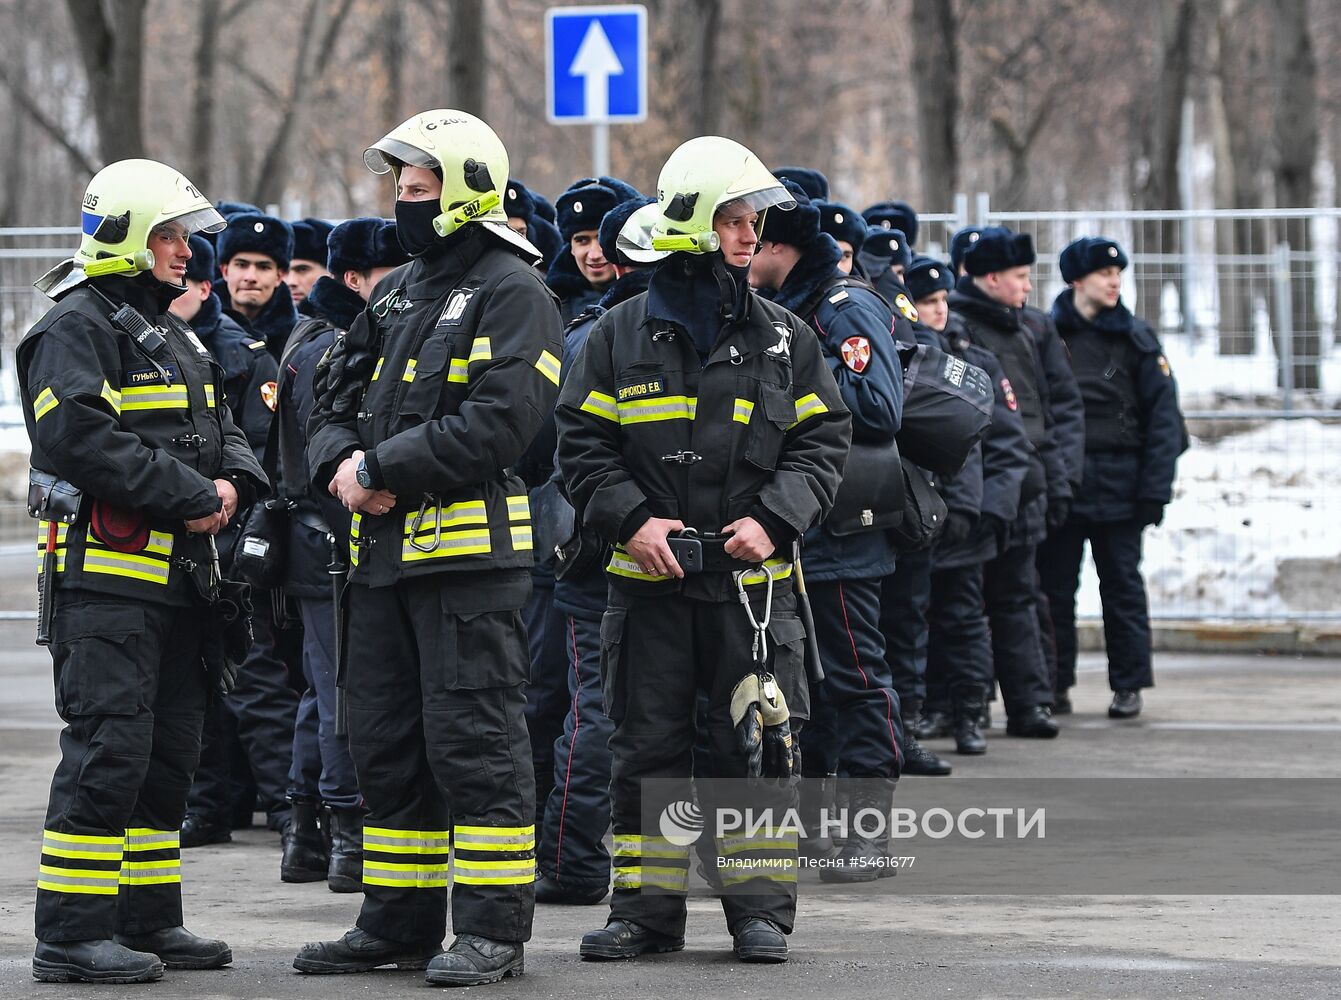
<point>760,648</point>
<point>417,522</point>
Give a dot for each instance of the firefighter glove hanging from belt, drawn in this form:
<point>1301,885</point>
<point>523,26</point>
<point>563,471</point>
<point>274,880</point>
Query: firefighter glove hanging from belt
<point>758,707</point>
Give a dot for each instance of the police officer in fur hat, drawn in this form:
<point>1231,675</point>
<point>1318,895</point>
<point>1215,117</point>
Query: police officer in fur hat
<point>580,273</point>
<point>847,228</point>
<point>1134,434</point>
<point>309,258</point>
<point>254,253</point>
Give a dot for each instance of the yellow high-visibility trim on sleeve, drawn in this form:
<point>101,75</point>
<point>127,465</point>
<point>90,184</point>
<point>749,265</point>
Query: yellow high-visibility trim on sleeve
<point>458,370</point>
<point>209,396</point>
<point>601,405</point>
<point>807,407</point>
<point>408,375</point>
<point>377,369</point>
<point>548,365</point>
<point>480,350</point>
<point>111,396</point>
<point>45,402</point>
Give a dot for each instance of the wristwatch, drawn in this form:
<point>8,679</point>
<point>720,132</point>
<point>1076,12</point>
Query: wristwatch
<point>363,475</point>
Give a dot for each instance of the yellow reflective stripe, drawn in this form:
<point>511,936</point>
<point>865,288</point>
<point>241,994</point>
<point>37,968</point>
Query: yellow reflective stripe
<point>642,876</point>
<point>354,539</point>
<point>807,407</point>
<point>458,370</point>
<point>467,871</point>
<point>646,411</point>
<point>521,538</point>
<point>45,402</point>
<point>495,838</point>
<point>480,350</point>
<point>377,369</point>
<point>159,544</point>
<point>62,530</point>
<point>461,513</point>
<point>452,543</point>
<point>112,396</point>
<point>601,405</point>
<point>154,397</point>
<point>408,375</point>
<point>623,564</point>
<point>771,869</point>
<point>782,840</point>
<point>782,570</point>
<point>127,564</point>
<point>548,365</point>
<point>144,839</point>
<point>744,409</point>
<point>405,876</point>
<point>81,880</point>
<point>638,845</point>
<point>68,845</point>
<point>395,867</point>
<point>390,841</point>
<point>209,395</point>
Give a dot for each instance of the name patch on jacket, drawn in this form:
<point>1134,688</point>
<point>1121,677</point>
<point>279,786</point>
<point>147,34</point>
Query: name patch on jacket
<point>637,390</point>
<point>456,307</point>
<point>148,376</point>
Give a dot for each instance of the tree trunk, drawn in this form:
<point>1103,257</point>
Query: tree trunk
<point>1295,78</point>
<point>1157,183</point>
<point>468,62</point>
<point>111,47</point>
<point>392,46</point>
<point>708,112</point>
<point>936,75</point>
<point>202,111</point>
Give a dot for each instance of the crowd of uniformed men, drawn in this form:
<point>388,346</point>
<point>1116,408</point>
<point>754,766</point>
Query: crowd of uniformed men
<point>543,507</point>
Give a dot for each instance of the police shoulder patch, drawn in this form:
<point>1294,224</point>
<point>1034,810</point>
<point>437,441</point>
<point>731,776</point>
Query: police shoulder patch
<point>856,353</point>
<point>904,305</point>
<point>269,396</point>
<point>1164,366</point>
<point>1011,403</point>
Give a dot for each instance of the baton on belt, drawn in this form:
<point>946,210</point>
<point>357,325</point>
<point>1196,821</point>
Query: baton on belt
<point>46,587</point>
<point>814,668</point>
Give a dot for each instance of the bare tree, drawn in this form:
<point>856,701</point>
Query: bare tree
<point>935,27</point>
<point>1157,163</point>
<point>468,56</point>
<point>212,15</point>
<point>110,34</point>
<point>1295,135</point>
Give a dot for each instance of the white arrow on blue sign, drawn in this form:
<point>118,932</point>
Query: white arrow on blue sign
<point>596,64</point>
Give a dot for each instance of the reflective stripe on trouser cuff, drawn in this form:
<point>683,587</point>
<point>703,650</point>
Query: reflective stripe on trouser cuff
<point>151,872</point>
<point>404,876</point>
<point>73,845</point>
<point>144,839</point>
<point>86,881</point>
<point>389,841</point>
<point>783,840</point>
<point>494,838</point>
<point>652,877</point>
<point>636,845</point>
<point>518,871</point>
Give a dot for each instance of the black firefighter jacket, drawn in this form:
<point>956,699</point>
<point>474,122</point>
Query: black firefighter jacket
<point>468,347</point>
<point>647,429</point>
<point>144,450</point>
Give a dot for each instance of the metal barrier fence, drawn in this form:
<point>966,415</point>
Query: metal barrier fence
<point>1245,303</point>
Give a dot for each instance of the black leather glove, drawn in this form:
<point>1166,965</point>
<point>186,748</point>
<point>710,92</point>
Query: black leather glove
<point>747,715</point>
<point>1059,509</point>
<point>1149,512</point>
<point>958,527</point>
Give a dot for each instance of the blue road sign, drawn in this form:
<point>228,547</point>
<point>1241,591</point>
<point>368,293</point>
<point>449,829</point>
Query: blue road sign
<point>596,64</point>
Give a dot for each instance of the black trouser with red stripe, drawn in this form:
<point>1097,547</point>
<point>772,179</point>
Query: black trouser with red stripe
<point>547,697</point>
<point>572,847</point>
<point>130,687</point>
<point>857,683</point>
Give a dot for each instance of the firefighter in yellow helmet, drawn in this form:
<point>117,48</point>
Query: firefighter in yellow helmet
<point>700,434</point>
<point>136,465</point>
<point>424,407</point>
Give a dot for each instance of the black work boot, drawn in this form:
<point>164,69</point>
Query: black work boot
<point>817,795</point>
<point>862,858</point>
<point>178,948</point>
<point>968,737</point>
<point>93,962</point>
<point>1126,704</point>
<point>1061,702</point>
<point>759,940</point>
<point>359,951</point>
<point>1034,722</point>
<point>625,939</point>
<point>197,831</point>
<point>932,724</point>
<point>345,870</point>
<point>917,759</point>
<point>304,857</point>
<point>473,961</point>
<point>551,890</point>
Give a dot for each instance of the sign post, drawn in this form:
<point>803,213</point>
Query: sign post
<point>596,71</point>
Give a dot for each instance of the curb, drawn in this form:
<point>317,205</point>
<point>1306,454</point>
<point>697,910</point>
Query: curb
<point>1283,639</point>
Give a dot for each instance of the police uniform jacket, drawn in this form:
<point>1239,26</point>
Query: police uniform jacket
<point>1063,400</point>
<point>989,484</point>
<point>1134,429</point>
<point>467,366</point>
<point>315,514</point>
<point>250,372</point>
<point>144,449</point>
<point>856,331</point>
<point>1001,330</point>
<point>647,428</point>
